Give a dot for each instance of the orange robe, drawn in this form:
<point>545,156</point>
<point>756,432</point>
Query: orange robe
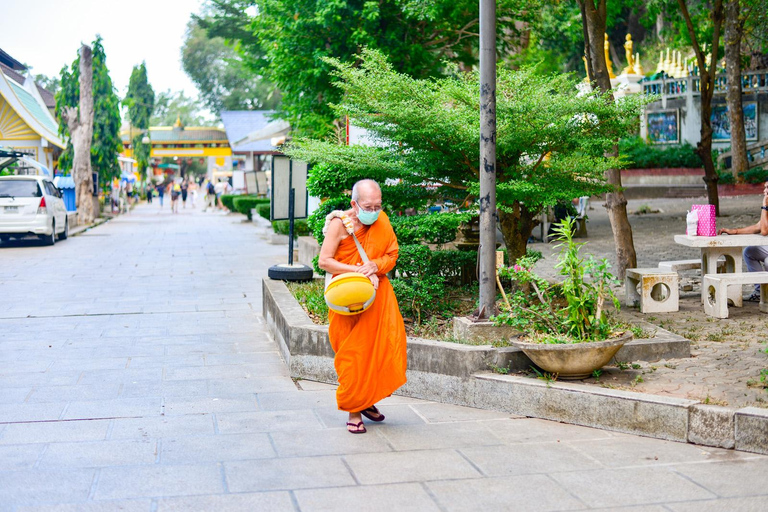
<point>371,356</point>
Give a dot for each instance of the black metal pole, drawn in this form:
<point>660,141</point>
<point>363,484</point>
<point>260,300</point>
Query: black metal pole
<point>291,196</point>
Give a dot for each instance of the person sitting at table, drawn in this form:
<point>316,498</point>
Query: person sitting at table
<point>756,256</point>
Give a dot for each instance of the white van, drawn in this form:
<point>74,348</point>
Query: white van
<point>31,205</point>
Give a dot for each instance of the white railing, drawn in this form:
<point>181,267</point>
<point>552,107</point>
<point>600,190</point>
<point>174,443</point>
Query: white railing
<point>751,82</point>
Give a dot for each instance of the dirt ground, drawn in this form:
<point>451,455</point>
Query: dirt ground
<point>728,355</point>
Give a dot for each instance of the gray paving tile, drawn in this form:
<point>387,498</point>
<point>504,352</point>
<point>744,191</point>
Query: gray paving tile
<point>523,459</point>
<point>99,454</point>
<point>444,435</point>
<point>90,506</point>
<point>231,371</point>
<point>375,498</point>
<point>219,448</point>
<point>310,385</point>
<point>447,413</point>
<point>14,395</point>
<point>293,400</point>
<point>119,408</point>
<point>231,403</point>
<point>112,363</point>
<point>267,501</point>
<point>266,421</point>
<point>56,431</point>
<point>528,492</point>
<point>285,474</point>
<point>335,441</point>
<point>221,387</point>
<point>746,504</point>
<point>96,377</point>
<point>43,394</point>
<point>33,486</point>
<point>179,388</point>
<point>729,478</point>
<point>412,466</point>
<point>30,412</point>
<point>636,451</point>
<point>19,456</point>
<point>158,481</point>
<point>537,431</point>
<point>163,426</point>
<point>638,486</point>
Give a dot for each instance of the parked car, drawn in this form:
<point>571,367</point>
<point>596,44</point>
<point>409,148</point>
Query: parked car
<point>32,205</point>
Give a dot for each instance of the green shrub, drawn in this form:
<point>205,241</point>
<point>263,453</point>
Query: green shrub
<point>316,220</point>
<point>725,178</point>
<point>244,204</point>
<point>756,175</point>
<point>431,228</point>
<point>282,227</point>
<point>642,155</point>
<point>227,201</point>
<point>264,210</point>
<point>311,295</point>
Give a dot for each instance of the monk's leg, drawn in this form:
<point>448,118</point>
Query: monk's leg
<point>355,423</point>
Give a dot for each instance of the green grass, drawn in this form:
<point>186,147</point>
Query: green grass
<point>311,297</point>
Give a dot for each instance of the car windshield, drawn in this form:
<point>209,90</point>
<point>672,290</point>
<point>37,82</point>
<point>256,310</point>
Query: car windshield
<point>19,188</point>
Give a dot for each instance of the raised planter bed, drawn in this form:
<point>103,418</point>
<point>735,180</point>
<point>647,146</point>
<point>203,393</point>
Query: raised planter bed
<point>458,374</point>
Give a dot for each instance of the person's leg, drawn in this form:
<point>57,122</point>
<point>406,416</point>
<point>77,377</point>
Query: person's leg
<point>754,258</point>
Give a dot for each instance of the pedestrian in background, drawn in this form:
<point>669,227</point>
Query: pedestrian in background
<point>193,193</point>
<point>150,191</point>
<point>175,193</point>
<point>184,191</point>
<point>161,193</point>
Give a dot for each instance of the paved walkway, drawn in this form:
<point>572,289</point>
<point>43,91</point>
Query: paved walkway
<point>136,375</point>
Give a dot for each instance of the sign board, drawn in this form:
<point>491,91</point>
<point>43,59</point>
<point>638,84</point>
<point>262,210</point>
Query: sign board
<point>287,174</point>
<point>238,180</point>
<point>251,183</point>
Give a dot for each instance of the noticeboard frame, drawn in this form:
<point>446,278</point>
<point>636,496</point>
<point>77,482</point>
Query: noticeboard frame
<point>279,194</point>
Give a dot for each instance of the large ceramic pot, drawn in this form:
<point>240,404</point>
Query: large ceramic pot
<point>571,361</point>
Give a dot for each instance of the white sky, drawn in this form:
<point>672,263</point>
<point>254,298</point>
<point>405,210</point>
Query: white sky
<point>46,35</point>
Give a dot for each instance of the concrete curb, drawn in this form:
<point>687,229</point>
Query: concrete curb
<point>79,230</point>
<point>458,374</point>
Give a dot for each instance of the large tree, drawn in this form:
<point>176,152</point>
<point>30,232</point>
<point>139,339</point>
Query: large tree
<point>594,15</point>
<point>711,13</point>
<point>287,40</point>
<point>170,106</point>
<point>140,102</point>
<point>551,141</point>
<point>106,143</point>
<point>79,124</point>
<point>220,75</point>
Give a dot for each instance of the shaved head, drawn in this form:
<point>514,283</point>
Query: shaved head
<point>365,188</point>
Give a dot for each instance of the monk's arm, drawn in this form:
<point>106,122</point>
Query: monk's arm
<point>388,260</point>
<point>326,260</point>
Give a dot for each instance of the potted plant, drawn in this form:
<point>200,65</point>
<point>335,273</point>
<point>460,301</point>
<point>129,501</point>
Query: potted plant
<point>566,330</point>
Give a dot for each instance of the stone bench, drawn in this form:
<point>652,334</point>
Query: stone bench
<point>658,290</point>
<point>716,288</point>
<point>680,265</point>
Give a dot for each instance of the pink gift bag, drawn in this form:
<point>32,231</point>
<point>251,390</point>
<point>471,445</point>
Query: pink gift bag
<point>707,220</point>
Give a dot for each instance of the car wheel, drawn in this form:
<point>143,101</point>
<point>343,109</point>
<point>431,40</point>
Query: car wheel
<point>287,272</point>
<point>65,234</point>
<point>50,239</point>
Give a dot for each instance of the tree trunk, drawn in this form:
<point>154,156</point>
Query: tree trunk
<point>707,73</point>
<point>80,123</point>
<point>516,228</point>
<point>593,14</point>
<point>733,32</point>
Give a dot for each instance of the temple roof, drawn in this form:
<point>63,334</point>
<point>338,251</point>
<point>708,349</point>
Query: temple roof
<point>240,123</point>
<point>30,107</point>
<point>170,134</point>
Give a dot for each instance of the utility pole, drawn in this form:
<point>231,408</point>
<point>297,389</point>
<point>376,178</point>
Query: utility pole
<point>488,214</point>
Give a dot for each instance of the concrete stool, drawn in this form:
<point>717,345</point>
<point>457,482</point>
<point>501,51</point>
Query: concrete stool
<point>658,290</point>
<point>716,288</point>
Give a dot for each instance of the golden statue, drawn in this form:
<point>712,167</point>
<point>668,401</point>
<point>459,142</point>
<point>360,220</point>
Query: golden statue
<point>638,66</point>
<point>586,69</point>
<point>667,63</point>
<point>630,69</point>
<point>608,64</point>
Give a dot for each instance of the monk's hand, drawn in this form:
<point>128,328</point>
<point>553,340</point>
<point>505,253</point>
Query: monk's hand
<point>724,231</point>
<point>374,280</point>
<point>368,269</point>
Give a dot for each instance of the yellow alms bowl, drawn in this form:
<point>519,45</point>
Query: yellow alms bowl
<point>350,293</point>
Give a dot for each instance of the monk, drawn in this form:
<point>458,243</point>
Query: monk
<point>370,347</point>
